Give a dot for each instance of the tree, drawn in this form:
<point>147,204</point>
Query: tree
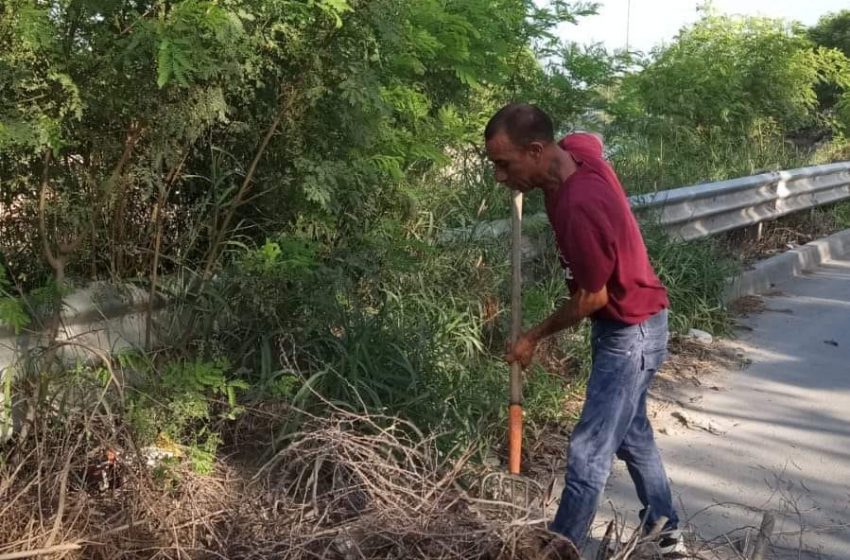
<point>185,119</point>
<point>833,32</point>
<point>722,98</point>
<point>727,71</point>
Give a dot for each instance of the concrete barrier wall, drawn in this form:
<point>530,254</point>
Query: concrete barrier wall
<point>101,317</point>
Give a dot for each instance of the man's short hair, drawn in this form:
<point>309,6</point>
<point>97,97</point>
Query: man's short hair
<point>523,123</point>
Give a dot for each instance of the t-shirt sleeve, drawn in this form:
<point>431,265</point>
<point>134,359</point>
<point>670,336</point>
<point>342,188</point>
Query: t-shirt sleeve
<point>590,245</point>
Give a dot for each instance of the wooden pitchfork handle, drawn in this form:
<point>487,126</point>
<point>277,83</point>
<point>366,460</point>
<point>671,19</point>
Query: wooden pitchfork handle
<point>515,410</point>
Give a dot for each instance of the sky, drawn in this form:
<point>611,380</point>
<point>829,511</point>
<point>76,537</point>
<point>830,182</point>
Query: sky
<point>656,21</point>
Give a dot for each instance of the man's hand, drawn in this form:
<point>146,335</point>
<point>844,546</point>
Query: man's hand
<point>522,351</point>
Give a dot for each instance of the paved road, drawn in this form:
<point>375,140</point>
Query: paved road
<point>785,420</point>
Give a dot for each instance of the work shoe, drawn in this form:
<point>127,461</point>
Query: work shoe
<point>671,544</point>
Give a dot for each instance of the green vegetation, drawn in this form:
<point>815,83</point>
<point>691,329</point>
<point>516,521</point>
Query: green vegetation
<point>282,171</point>
<point>720,102</point>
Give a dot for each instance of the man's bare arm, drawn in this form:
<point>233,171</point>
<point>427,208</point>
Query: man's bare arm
<point>581,305</point>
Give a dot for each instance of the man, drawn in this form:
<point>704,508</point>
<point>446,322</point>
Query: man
<point>611,282</point>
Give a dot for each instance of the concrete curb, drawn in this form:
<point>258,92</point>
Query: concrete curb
<point>765,275</point>
<point>100,301</point>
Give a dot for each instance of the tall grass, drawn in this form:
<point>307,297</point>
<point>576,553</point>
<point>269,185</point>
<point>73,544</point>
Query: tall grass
<point>659,155</point>
<point>696,274</point>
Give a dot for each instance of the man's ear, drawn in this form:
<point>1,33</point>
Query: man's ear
<point>535,149</point>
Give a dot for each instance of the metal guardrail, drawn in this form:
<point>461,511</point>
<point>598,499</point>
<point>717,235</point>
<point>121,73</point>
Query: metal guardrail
<point>710,208</point>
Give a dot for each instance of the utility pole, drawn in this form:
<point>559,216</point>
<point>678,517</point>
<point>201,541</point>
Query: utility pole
<point>628,22</point>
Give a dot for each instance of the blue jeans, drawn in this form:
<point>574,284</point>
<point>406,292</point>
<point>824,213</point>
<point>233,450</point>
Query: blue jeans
<point>614,421</point>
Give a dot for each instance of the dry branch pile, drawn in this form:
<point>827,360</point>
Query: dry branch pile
<point>344,487</point>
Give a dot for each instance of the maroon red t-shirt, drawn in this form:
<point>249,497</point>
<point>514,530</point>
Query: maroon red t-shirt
<point>601,245</point>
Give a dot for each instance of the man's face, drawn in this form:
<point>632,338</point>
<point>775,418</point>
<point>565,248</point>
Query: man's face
<point>516,167</point>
